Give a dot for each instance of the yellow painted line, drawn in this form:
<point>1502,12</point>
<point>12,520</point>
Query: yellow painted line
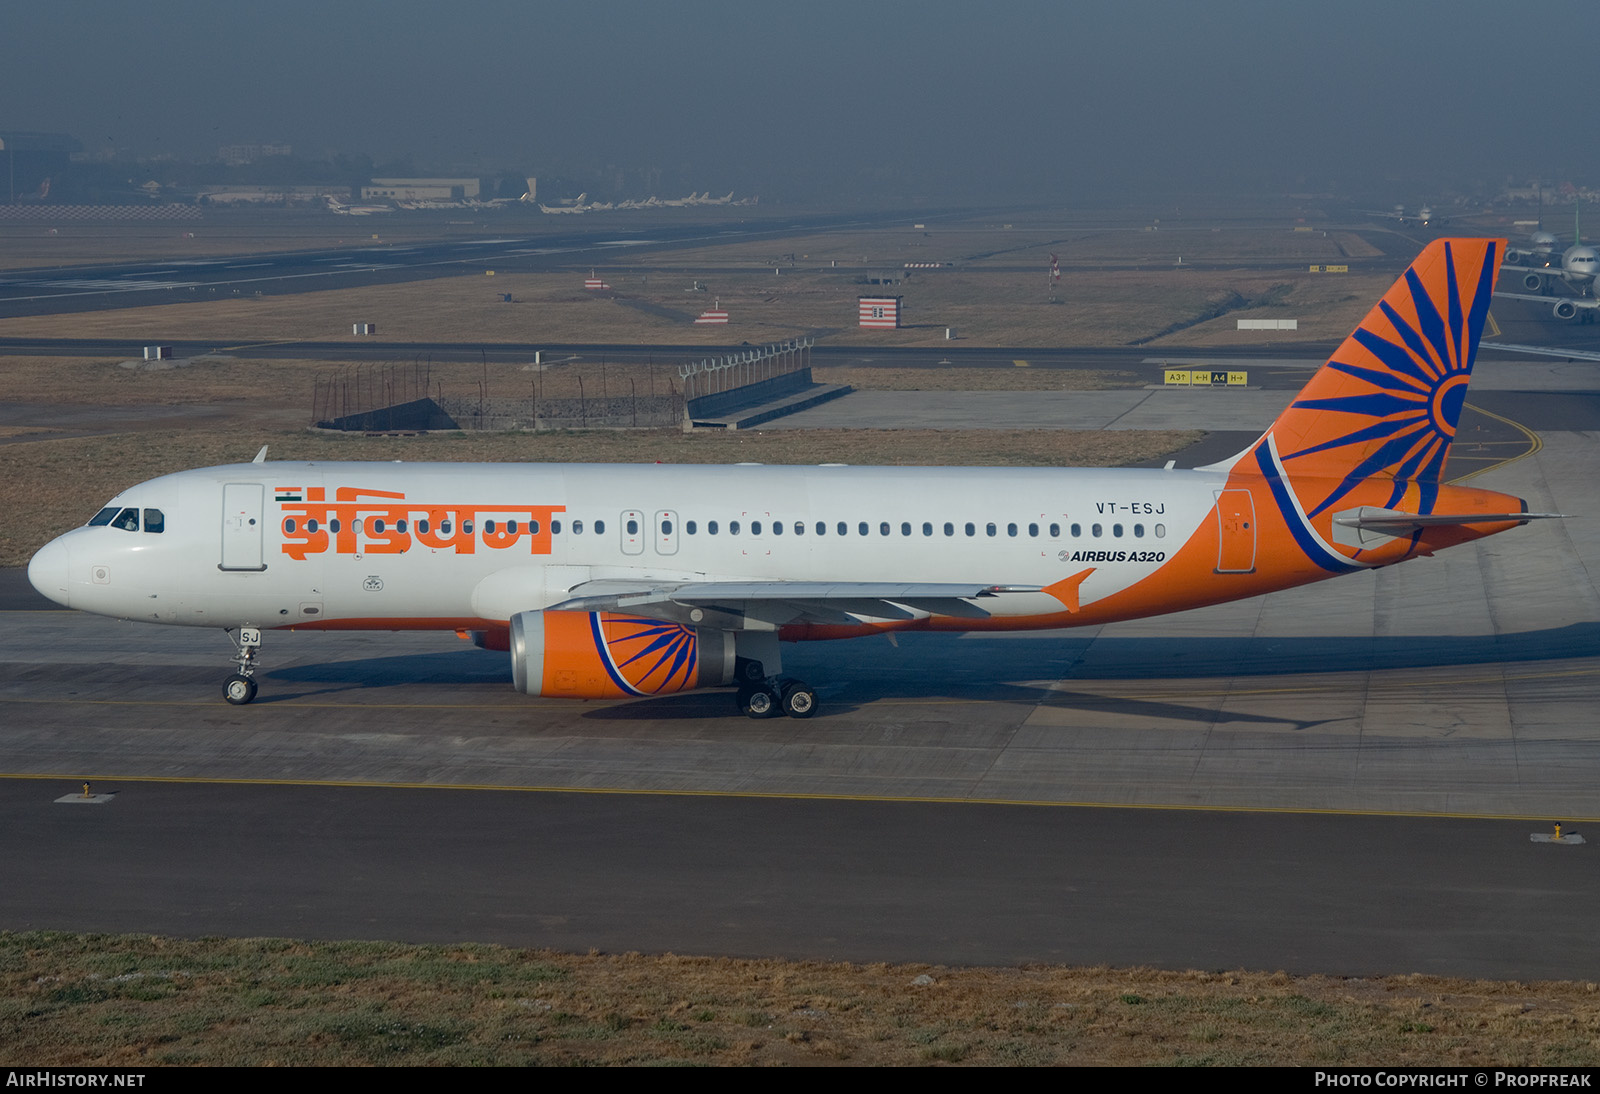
<point>1534,445</point>
<point>1020,364</point>
<point>766,795</point>
<point>1061,690</point>
<point>1494,328</point>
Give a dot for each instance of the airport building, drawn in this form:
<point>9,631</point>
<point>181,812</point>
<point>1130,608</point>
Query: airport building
<point>879,312</point>
<point>420,189</point>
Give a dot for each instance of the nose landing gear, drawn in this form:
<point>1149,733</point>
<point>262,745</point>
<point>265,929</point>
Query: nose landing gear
<point>240,688</point>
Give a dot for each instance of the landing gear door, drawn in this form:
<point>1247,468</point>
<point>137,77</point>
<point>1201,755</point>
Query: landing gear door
<point>1236,532</point>
<point>666,530</point>
<point>242,527</point>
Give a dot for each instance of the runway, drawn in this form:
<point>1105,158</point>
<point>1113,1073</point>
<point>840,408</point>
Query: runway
<point>97,286</point>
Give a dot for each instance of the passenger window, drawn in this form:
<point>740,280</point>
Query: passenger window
<point>777,527</point>
<point>690,527</point>
<point>864,528</point>
<point>533,526</point>
<point>127,520</point>
<point>927,528</point>
<point>1011,529</point>
<point>577,527</point>
<point>1055,531</point>
<point>883,528</point>
<point>755,528</point>
<point>711,527</point>
<point>555,528</point>
<point>154,521</point>
<point>333,526</point>
<point>1094,530</point>
<point>103,517</point>
<point>1033,530</point>
<point>989,528</point>
<point>799,527</point>
<point>1161,531</point>
<point>843,529</point>
<point>972,529</point>
<point>666,527</point>
<point>633,527</point>
<point>822,527</point>
<point>1138,531</point>
<point>1116,530</point>
<point>1077,530</point>
<point>288,524</point>
<point>311,525</point>
<point>400,526</point>
<point>733,527</point>
<point>905,528</point>
<point>599,527</point>
<point>488,526</point>
<point>466,527</point>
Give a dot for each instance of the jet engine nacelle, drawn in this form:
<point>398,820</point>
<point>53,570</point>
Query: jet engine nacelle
<point>1565,309</point>
<point>1533,281</point>
<point>1514,257</point>
<point>604,655</point>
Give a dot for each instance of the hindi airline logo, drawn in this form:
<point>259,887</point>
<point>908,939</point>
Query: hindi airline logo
<point>385,522</point>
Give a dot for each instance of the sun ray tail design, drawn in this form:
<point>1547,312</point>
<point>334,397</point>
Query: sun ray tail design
<point>1387,403</point>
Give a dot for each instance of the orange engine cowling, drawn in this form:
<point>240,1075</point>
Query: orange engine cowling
<point>603,655</point>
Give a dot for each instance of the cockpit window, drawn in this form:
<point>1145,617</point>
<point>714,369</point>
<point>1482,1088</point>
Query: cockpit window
<point>154,521</point>
<point>127,520</point>
<point>103,516</point>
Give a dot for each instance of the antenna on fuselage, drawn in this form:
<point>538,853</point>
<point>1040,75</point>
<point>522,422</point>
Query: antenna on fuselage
<point>261,457</point>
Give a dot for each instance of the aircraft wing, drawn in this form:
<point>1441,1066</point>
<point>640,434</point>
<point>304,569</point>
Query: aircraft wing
<point>1576,301</point>
<point>782,602</point>
<point>1546,351</point>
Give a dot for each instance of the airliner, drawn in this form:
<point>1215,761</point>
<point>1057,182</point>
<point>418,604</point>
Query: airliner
<point>1424,215</point>
<point>609,582</point>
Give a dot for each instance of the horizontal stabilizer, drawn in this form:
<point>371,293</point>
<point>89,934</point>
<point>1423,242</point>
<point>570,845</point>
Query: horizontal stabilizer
<point>1368,524</point>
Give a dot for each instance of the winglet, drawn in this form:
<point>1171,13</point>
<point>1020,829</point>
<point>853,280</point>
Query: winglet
<point>261,457</point>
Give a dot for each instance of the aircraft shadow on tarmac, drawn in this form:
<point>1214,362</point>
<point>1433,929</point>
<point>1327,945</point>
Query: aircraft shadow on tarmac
<point>938,666</point>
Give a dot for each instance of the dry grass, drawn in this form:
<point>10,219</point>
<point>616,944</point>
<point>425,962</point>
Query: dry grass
<point>998,308</point>
<point>47,487</point>
<point>136,1001</point>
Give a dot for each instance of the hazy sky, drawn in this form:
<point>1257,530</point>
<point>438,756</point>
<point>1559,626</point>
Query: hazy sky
<point>941,99</point>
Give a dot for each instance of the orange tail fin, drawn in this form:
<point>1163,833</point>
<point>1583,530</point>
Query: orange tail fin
<point>1385,406</point>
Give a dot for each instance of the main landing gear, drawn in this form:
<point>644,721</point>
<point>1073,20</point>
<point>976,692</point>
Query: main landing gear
<point>763,696</point>
<point>240,688</point>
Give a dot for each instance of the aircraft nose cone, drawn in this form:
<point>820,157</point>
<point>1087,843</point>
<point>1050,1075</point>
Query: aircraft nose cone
<point>49,570</point>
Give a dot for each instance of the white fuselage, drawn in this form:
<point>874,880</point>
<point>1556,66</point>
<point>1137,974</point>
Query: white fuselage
<point>238,546</point>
